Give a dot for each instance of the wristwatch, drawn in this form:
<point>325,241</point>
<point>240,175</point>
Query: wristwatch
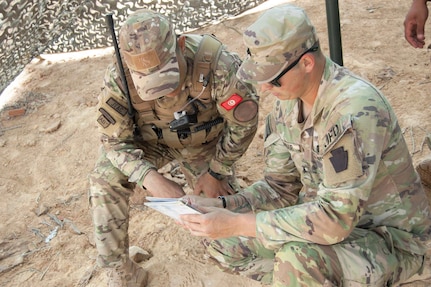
<point>223,200</point>
<point>217,176</point>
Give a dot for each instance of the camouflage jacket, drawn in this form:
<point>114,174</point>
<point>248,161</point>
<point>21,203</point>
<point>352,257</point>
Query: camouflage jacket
<point>346,166</point>
<point>238,123</point>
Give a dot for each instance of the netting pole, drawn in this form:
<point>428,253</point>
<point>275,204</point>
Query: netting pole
<point>334,32</point>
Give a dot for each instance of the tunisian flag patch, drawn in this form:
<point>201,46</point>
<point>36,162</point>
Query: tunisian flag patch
<point>232,102</point>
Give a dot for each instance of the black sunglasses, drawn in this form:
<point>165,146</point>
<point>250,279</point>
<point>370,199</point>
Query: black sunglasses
<point>276,82</point>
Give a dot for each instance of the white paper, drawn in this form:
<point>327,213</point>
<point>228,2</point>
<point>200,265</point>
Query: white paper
<point>171,207</point>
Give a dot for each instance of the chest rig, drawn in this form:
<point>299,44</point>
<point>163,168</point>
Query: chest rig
<point>197,120</point>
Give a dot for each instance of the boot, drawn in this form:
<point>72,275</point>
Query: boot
<point>424,170</point>
<point>128,275</point>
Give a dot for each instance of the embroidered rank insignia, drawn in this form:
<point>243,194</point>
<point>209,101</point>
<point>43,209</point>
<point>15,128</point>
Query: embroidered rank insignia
<point>232,102</point>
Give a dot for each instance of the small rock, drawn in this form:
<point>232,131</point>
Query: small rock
<point>54,126</point>
<point>16,112</point>
<point>29,143</point>
<point>41,209</point>
<point>138,254</point>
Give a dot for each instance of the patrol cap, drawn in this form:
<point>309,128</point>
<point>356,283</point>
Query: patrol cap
<point>277,38</point>
<point>148,44</point>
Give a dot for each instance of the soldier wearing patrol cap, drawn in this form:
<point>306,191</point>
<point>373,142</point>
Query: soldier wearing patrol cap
<point>414,26</point>
<point>340,203</point>
<point>188,106</point>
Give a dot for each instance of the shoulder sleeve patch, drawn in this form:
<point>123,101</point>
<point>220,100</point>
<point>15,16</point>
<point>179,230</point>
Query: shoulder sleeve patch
<point>245,111</point>
<point>232,102</point>
<point>342,163</point>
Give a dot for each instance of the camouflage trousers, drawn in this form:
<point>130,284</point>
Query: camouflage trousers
<point>364,259</point>
<point>110,191</point>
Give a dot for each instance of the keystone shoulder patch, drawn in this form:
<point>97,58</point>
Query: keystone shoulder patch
<point>342,162</point>
<point>339,159</point>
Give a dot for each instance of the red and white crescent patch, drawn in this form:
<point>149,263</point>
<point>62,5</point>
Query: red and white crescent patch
<point>232,102</point>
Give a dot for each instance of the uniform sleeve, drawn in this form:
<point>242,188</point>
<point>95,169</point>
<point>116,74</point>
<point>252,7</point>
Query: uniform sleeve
<point>352,146</point>
<point>116,128</point>
<point>281,184</point>
<point>238,104</point>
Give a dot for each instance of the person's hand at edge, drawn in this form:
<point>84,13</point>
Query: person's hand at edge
<point>414,23</point>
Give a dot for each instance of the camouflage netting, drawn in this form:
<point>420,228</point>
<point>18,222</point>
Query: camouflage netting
<point>29,28</point>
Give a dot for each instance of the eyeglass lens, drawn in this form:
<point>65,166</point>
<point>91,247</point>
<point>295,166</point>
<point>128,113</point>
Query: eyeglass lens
<point>276,81</point>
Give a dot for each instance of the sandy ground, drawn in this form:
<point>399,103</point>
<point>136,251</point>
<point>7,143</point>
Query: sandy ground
<point>45,154</point>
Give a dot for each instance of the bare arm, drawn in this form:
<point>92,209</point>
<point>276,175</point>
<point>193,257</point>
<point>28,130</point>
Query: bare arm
<point>220,223</point>
<point>160,186</point>
<point>414,23</point>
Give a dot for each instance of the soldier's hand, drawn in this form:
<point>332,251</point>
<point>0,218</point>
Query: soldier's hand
<point>211,186</point>
<point>160,186</point>
<point>218,223</point>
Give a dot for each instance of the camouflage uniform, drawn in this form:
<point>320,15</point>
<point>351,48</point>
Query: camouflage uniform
<point>340,203</point>
<point>226,123</point>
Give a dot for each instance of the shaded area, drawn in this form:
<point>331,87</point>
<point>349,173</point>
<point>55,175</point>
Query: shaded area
<point>29,28</point>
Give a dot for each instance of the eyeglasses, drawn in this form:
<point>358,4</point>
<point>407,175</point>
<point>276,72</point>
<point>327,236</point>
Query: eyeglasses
<point>276,82</point>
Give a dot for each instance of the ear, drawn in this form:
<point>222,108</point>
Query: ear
<point>182,43</point>
<point>309,61</point>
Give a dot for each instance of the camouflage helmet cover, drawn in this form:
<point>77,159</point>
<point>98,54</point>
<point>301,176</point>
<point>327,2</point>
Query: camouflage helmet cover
<point>148,45</point>
<point>274,41</point>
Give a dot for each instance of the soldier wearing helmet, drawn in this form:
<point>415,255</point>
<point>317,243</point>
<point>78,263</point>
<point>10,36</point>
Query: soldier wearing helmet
<point>189,107</point>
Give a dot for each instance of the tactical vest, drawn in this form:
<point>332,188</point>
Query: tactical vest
<point>154,117</point>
